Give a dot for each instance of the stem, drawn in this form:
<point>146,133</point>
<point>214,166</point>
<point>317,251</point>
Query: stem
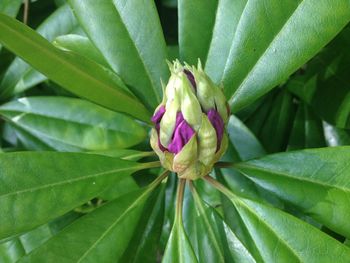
<point>224,164</point>
<point>148,165</point>
<point>158,180</point>
<point>25,11</point>
<point>179,201</point>
<point>219,186</point>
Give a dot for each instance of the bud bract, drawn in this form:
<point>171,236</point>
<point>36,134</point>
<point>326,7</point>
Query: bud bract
<point>189,135</point>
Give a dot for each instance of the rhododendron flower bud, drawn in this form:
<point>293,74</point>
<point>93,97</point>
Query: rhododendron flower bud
<point>189,125</point>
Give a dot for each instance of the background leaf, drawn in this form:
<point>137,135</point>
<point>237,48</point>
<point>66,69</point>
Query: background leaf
<point>76,74</point>
<point>110,228</point>
<point>269,55</point>
<point>129,35</point>
<point>37,187</point>
<point>196,22</point>
<point>20,76</point>
<point>327,72</point>
<point>69,124</point>
<point>314,180</point>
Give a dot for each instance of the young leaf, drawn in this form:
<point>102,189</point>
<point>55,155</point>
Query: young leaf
<point>69,124</point>
<point>20,76</point>
<point>129,35</point>
<point>37,187</point>
<point>316,181</point>
<point>75,73</point>
<point>196,22</point>
<point>335,136</point>
<point>261,57</point>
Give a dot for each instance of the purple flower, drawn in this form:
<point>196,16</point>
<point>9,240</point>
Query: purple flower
<point>182,134</point>
<point>156,118</point>
<point>217,122</point>
<point>191,78</point>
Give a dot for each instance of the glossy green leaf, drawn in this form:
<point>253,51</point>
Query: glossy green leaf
<point>262,57</point>
<point>10,8</point>
<point>208,230</point>
<point>335,136</point>
<point>316,181</point>
<point>281,237</point>
<point>37,187</point>
<point>82,46</point>
<point>245,142</point>
<point>179,248</point>
<point>227,17</point>
<point>324,83</point>
<point>143,247</point>
<point>76,74</point>
<point>109,230</point>
<point>196,22</point>
<point>69,124</point>
<point>129,35</point>
<point>20,76</point>
<point>11,251</point>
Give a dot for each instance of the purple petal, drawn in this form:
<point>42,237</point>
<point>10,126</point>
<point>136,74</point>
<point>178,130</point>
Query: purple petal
<point>191,78</point>
<point>156,118</point>
<point>182,134</point>
<point>217,122</point>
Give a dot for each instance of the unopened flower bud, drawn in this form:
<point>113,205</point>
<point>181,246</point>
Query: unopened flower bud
<point>189,134</point>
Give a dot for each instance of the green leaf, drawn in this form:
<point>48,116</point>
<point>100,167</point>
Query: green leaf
<point>213,240</point>
<point>335,136</point>
<point>245,142</point>
<point>316,181</point>
<point>196,22</point>
<point>281,237</point>
<point>143,247</point>
<point>76,74</point>
<point>274,133</point>
<point>179,248</point>
<point>325,74</point>
<point>11,251</point>
<point>109,231</point>
<point>228,15</point>
<point>69,124</point>
<point>262,57</point>
<point>129,35</point>
<point>10,7</point>
<point>307,130</point>
<point>82,46</point>
<point>37,187</point>
<point>20,76</point>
